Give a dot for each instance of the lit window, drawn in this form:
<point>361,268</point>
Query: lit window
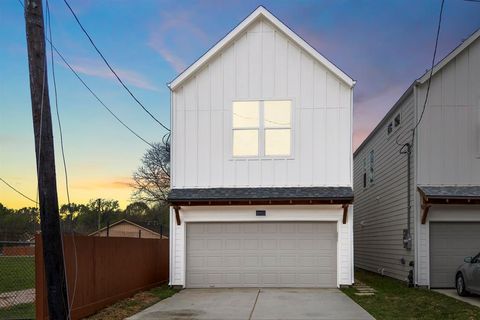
<point>258,124</point>
<point>245,128</point>
<point>276,121</point>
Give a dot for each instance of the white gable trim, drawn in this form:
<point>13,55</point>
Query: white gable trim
<point>450,56</point>
<point>259,12</point>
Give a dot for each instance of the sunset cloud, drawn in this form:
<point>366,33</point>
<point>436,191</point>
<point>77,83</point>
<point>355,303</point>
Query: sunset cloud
<point>95,69</point>
<point>175,35</point>
<point>114,183</point>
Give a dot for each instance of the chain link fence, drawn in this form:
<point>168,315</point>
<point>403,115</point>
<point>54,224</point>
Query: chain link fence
<point>17,279</point>
<point>17,262</point>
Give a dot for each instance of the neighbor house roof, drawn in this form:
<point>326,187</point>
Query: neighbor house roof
<point>474,36</point>
<point>144,226</point>
<point>455,52</point>
<point>232,35</point>
<point>450,192</point>
<point>265,195</point>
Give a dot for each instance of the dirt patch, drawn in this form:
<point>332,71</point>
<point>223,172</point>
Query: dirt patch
<point>128,307</point>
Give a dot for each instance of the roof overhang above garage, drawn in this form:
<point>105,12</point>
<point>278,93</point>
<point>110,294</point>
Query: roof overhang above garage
<point>261,196</point>
<point>447,195</point>
<point>264,196</point>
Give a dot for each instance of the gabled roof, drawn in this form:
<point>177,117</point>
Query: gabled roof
<point>258,13</point>
<point>455,52</point>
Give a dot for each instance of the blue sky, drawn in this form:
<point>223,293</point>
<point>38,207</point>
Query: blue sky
<point>384,45</point>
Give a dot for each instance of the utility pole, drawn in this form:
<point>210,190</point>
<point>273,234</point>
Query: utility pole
<point>45,156</point>
<point>99,216</point>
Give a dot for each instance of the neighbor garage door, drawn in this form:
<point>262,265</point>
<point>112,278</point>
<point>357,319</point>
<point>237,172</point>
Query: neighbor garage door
<point>265,254</point>
<point>450,243</point>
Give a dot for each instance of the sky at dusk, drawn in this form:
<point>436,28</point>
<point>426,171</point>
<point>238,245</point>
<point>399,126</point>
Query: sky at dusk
<point>384,45</point>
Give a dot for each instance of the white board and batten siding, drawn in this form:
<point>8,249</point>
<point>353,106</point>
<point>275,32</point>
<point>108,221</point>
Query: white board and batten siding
<point>381,207</point>
<point>449,142</point>
<point>263,60</point>
<point>262,64</point>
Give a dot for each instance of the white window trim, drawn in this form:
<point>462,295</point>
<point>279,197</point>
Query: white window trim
<point>261,132</point>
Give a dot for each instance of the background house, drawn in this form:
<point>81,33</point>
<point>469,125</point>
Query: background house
<point>438,202</point>
<point>261,164</point>
<point>129,229</point>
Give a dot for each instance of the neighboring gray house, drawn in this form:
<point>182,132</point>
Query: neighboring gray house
<point>444,185</point>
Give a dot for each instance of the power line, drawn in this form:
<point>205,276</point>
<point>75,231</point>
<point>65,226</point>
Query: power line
<point>96,96</point>
<point>68,305</point>
<point>56,103</point>
<point>17,191</point>
<point>111,69</point>
<point>431,70</point>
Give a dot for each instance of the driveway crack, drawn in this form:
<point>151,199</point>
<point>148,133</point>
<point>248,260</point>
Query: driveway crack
<point>254,304</point>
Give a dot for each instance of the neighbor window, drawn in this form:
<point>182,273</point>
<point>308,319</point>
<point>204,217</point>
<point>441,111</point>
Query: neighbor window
<point>397,120</point>
<point>262,128</point>
<point>364,173</point>
<point>371,169</point>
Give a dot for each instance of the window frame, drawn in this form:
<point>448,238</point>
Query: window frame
<point>391,124</point>
<point>261,131</point>
<point>371,167</point>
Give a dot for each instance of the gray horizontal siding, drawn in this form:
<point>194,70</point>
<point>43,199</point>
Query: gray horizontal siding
<point>383,206</point>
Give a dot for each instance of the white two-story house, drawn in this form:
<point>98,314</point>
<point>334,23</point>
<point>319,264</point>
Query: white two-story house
<point>419,211</point>
<point>261,164</point>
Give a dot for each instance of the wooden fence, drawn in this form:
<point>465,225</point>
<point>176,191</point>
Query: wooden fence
<point>18,251</point>
<point>105,270</point>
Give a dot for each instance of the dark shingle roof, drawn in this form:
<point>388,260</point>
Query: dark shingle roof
<point>451,192</point>
<point>269,193</point>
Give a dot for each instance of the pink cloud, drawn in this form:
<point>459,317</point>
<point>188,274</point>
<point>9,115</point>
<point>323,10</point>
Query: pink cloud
<point>176,32</point>
<point>95,69</point>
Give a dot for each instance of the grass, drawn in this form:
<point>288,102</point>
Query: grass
<point>135,304</point>
<point>20,311</point>
<point>394,300</point>
<point>17,273</point>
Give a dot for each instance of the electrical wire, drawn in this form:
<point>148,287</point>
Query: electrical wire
<point>97,97</point>
<point>17,191</point>
<point>111,68</point>
<point>69,303</point>
<point>431,71</point>
<point>62,57</point>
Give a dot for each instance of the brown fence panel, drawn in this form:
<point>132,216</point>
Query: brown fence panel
<point>103,270</point>
<point>18,251</point>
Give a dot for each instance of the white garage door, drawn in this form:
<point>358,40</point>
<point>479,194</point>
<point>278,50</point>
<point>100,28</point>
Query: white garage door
<point>450,243</point>
<point>262,254</point>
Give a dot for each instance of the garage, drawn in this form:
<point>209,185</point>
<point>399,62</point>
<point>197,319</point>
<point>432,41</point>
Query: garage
<point>261,254</point>
<point>450,243</point>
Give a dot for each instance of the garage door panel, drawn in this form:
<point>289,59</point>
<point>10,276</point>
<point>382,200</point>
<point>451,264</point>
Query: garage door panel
<point>450,243</point>
<point>261,254</point>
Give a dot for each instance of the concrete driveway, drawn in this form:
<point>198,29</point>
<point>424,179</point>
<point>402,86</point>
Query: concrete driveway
<point>256,304</point>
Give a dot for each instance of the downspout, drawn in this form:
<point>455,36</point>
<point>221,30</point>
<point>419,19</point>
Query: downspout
<point>407,233</point>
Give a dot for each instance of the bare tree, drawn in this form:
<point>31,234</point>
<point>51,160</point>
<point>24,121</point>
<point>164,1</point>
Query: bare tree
<point>152,178</point>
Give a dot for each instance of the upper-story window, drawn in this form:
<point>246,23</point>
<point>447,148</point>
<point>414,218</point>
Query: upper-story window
<point>371,167</point>
<point>394,124</point>
<point>262,128</point>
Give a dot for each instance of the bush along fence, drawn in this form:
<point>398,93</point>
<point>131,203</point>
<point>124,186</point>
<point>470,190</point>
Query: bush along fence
<point>17,279</point>
<point>103,270</point>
